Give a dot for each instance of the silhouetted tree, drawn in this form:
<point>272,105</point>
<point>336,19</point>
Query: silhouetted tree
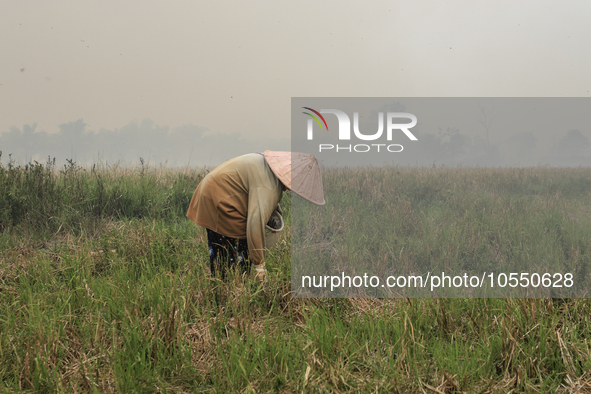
<point>574,143</point>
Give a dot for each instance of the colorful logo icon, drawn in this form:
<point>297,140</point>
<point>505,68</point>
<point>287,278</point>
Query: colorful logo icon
<point>315,118</point>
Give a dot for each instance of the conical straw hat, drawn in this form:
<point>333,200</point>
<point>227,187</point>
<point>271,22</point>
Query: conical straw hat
<point>299,172</point>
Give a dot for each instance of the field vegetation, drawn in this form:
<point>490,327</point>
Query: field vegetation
<point>104,287</point>
<point>413,221</point>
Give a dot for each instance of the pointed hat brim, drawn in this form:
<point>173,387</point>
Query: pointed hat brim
<point>299,172</point>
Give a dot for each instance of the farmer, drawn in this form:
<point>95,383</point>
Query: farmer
<point>235,201</point>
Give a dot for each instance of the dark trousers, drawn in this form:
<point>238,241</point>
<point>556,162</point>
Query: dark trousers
<point>226,253</point>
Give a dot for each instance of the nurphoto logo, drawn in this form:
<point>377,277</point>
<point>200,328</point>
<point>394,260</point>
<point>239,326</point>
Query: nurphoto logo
<point>344,132</point>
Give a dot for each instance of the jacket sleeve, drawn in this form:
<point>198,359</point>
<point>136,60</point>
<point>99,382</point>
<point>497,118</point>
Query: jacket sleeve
<point>261,203</point>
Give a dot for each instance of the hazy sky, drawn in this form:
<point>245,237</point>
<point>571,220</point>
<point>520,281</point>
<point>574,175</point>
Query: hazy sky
<point>232,67</point>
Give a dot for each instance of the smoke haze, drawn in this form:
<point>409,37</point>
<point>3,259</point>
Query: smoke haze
<point>198,82</point>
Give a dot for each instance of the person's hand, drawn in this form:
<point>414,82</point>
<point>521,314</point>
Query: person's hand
<point>261,273</point>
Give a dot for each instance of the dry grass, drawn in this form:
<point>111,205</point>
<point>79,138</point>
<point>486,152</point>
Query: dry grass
<point>125,304</point>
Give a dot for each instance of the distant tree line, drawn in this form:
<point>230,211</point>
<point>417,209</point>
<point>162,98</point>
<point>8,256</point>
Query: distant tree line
<point>451,147</point>
<point>156,145</point>
<point>195,145</point>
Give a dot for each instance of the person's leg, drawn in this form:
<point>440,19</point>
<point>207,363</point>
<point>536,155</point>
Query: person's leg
<point>227,253</point>
<point>238,255</point>
<point>243,261</point>
<point>218,253</point>
<point>231,250</point>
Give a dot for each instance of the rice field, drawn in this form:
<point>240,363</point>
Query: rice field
<point>104,287</point>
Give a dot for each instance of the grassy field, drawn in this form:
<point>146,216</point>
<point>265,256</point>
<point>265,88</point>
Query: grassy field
<point>413,221</point>
<point>104,287</point>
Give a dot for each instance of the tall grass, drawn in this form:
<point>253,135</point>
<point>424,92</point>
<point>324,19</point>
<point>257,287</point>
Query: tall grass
<point>40,199</point>
<point>119,300</point>
<point>411,221</point>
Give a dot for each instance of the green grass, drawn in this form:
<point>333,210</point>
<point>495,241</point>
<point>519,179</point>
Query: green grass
<point>411,221</point>
<point>111,294</point>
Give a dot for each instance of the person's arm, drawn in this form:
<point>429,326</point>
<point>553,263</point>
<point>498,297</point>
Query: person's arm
<point>261,203</point>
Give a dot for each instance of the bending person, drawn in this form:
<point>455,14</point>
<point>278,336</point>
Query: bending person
<point>235,201</point>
